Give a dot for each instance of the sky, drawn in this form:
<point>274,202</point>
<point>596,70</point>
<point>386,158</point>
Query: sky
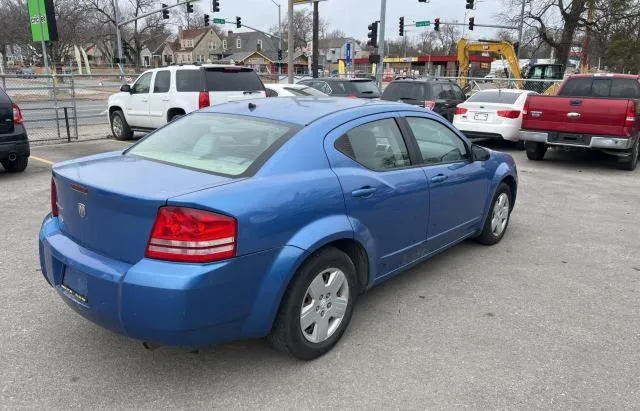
<point>353,16</point>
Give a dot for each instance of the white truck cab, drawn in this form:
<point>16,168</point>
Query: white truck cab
<point>160,95</point>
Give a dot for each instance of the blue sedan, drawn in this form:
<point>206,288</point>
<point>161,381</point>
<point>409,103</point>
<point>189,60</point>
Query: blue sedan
<point>265,218</point>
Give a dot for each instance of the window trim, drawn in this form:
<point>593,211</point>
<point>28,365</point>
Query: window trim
<point>468,156</point>
<point>238,43</point>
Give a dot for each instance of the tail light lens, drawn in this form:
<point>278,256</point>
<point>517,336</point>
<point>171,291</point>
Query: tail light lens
<point>352,97</point>
<point>525,109</point>
<point>509,113</point>
<point>631,116</point>
<point>192,236</point>
<point>460,111</point>
<point>203,99</point>
<point>54,198</point>
<point>17,115</point>
<point>429,104</point>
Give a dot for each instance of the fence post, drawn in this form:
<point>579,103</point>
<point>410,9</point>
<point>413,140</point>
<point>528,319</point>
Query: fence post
<point>73,101</point>
<point>66,121</point>
<point>4,83</point>
<point>55,102</point>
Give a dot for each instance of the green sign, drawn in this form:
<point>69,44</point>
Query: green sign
<point>423,23</point>
<point>218,21</point>
<point>38,20</point>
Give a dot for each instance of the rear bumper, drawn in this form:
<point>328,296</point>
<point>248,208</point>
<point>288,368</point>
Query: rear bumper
<point>595,142</point>
<point>16,143</point>
<point>495,131</point>
<point>183,305</point>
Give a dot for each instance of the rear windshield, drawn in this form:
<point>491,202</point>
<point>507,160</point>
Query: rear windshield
<point>305,91</point>
<point>365,87</point>
<point>219,79</point>
<point>407,91</point>
<point>494,97</point>
<point>601,87</point>
<point>218,143</point>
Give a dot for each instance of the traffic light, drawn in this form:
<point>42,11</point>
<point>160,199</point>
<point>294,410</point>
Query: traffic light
<point>189,8</point>
<point>469,5</point>
<point>472,22</point>
<point>373,34</point>
<point>165,12</point>
<point>206,20</point>
<point>436,24</point>
<point>401,30</point>
<point>238,22</point>
<point>216,6</point>
<point>280,55</point>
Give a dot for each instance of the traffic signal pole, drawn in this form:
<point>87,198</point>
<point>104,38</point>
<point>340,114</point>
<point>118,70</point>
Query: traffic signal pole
<point>290,45</point>
<point>380,68</point>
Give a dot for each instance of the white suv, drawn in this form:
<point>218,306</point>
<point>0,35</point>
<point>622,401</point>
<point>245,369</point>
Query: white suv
<point>160,95</point>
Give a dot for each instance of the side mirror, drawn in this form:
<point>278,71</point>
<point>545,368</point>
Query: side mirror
<point>125,88</point>
<point>479,153</point>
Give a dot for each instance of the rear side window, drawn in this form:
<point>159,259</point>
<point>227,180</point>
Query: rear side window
<point>439,92</point>
<point>413,91</point>
<point>377,145</point>
<point>188,80</point>
<point>218,143</point>
<point>601,87</point>
<point>162,82</point>
<point>232,79</point>
<point>494,97</point>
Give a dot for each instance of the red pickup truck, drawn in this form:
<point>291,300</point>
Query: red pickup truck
<point>598,112</point>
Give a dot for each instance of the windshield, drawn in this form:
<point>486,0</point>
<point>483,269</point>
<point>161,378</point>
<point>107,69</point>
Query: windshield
<point>494,97</point>
<point>365,87</point>
<point>305,91</point>
<point>217,143</point>
<point>413,91</point>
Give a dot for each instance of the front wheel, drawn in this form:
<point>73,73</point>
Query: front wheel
<point>535,150</point>
<point>317,306</point>
<point>498,219</point>
<point>631,162</point>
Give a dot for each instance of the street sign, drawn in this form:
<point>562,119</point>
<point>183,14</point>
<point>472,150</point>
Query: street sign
<point>42,20</point>
<point>218,21</point>
<point>348,54</point>
<point>425,23</point>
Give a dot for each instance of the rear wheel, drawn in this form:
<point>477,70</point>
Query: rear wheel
<point>317,306</point>
<point>631,162</point>
<point>16,166</point>
<point>119,126</point>
<point>535,151</point>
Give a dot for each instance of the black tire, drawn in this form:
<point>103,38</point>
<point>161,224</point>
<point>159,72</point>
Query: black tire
<point>520,145</point>
<point>175,116</point>
<point>631,162</point>
<point>535,151</point>
<point>16,166</point>
<point>287,334</point>
<point>126,133</point>
<point>488,236</point>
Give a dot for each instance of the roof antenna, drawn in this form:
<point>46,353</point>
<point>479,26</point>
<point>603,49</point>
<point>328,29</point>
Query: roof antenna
<point>252,106</point>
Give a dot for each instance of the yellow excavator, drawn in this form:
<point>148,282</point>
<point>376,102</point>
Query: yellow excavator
<point>505,49</point>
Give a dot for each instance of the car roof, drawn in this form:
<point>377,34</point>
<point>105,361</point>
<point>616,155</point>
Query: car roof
<point>423,80</point>
<point>301,110</point>
<point>337,79</point>
<point>194,66</point>
<point>282,86</point>
<point>610,75</point>
<point>505,90</point>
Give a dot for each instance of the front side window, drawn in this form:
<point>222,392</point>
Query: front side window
<point>218,143</point>
<point>437,143</point>
<point>162,81</point>
<point>378,146</point>
<point>142,84</point>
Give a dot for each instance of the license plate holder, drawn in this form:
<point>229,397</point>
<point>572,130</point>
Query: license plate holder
<point>75,284</point>
<point>481,116</point>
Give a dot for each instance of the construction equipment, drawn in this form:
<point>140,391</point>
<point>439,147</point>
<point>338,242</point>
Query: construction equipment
<point>502,48</point>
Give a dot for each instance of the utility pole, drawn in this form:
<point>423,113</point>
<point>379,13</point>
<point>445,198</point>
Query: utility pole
<point>380,69</point>
<point>316,29</point>
<point>521,29</point>
<point>290,45</point>
<point>280,39</point>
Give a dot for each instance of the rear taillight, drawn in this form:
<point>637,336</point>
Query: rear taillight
<point>203,99</point>
<point>352,97</point>
<point>509,113</point>
<point>631,116</point>
<point>17,114</point>
<point>460,111</point>
<point>429,104</point>
<point>525,109</point>
<point>192,236</point>
<point>54,198</point>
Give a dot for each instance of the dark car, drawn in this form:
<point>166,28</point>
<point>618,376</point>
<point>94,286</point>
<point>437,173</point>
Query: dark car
<point>340,87</point>
<point>14,144</point>
<point>441,96</point>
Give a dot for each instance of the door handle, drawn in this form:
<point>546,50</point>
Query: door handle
<point>364,192</point>
<point>439,178</point>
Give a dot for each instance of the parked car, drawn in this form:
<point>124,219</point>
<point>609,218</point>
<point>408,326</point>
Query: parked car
<point>493,113</point>
<point>292,90</point>
<point>593,112</point>
<point>26,72</point>
<point>160,95</point>
<point>14,143</point>
<point>344,87</point>
<point>268,217</point>
<point>441,96</point>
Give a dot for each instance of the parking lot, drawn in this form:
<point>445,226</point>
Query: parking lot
<point>548,318</point>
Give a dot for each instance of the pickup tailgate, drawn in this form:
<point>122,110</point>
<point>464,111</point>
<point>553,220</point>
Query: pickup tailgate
<point>576,115</point>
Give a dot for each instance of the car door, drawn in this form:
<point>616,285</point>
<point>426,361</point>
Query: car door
<point>159,98</point>
<point>138,107</point>
<point>385,190</point>
<point>458,186</point>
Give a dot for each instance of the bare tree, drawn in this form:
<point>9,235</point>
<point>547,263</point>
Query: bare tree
<point>303,28</point>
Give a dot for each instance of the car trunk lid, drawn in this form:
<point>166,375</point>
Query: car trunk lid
<point>108,203</point>
<point>486,113</point>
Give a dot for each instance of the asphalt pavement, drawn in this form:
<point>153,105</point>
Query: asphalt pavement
<point>548,318</point>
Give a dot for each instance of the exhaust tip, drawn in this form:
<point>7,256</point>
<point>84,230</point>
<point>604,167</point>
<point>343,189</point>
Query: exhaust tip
<point>12,157</point>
